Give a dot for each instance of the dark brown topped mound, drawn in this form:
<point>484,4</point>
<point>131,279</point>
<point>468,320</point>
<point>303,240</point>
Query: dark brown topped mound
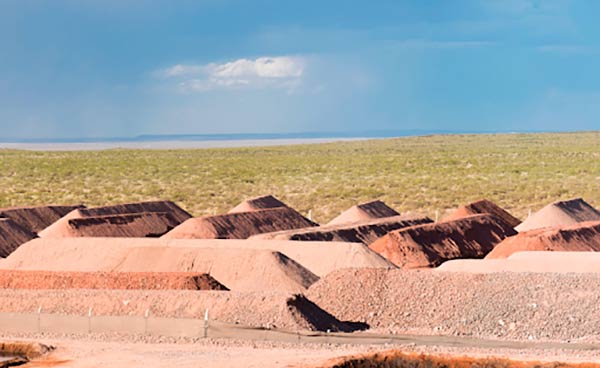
<point>133,225</point>
<point>431,244</point>
<point>36,218</point>
<point>561,213</point>
<point>258,203</point>
<point>584,236</point>
<point>176,215</point>
<point>358,232</point>
<point>240,225</point>
<point>108,280</point>
<point>364,212</point>
<point>12,236</point>
<point>139,207</point>
<point>484,206</point>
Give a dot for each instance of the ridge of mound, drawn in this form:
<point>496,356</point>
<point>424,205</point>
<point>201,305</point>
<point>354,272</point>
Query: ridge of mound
<point>240,225</point>
<point>358,232</point>
<point>364,212</point>
<point>258,203</point>
<point>237,269</point>
<point>12,236</point>
<point>11,279</point>
<point>582,236</point>
<point>36,218</point>
<point>560,213</point>
<point>256,309</point>
<point>507,306</point>
<point>60,228</point>
<point>136,225</point>
<point>483,206</point>
<point>429,245</point>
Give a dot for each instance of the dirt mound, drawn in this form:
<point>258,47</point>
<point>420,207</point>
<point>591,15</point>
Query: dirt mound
<point>430,245</point>
<point>136,225</point>
<point>240,225</point>
<point>12,236</point>
<point>61,228</point>
<point>481,207</point>
<point>36,218</point>
<point>276,310</point>
<point>584,236</point>
<point>364,212</point>
<point>258,203</point>
<point>237,269</point>
<point>360,232</point>
<point>512,306</point>
<point>11,279</point>
<point>561,213</point>
<point>553,262</point>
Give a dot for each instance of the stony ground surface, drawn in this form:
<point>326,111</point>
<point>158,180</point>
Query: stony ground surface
<point>515,306</point>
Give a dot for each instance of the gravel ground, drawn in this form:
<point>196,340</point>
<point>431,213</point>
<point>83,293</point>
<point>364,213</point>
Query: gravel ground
<point>511,306</point>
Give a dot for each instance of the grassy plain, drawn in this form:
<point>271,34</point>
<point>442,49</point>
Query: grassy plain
<point>521,172</point>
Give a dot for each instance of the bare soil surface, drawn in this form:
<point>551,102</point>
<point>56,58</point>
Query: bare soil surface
<point>484,206</point>
<point>516,306</point>
<point>430,245</point>
<point>365,212</point>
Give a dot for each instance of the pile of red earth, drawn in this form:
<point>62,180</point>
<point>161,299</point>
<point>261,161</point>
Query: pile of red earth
<point>277,310</point>
<point>484,206</point>
<point>12,236</point>
<point>258,203</point>
<point>429,245</point>
<point>583,236</point>
<point>364,212</point>
<point>36,218</point>
<point>240,225</point>
<point>108,280</point>
<point>561,213</point>
<point>512,306</point>
<point>361,232</point>
<point>143,219</point>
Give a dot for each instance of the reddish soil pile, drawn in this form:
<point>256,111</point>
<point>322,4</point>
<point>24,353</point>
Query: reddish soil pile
<point>258,203</point>
<point>12,236</point>
<point>37,218</point>
<point>364,212</point>
<point>561,213</point>
<point>481,207</point>
<point>430,245</point>
<point>583,236</point>
<point>108,280</point>
<point>360,232</point>
<point>135,225</point>
<point>277,310</point>
<point>240,225</point>
<point>138,207</point>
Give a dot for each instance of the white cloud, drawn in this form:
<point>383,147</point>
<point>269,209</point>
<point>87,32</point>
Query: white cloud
<point>264,72</point>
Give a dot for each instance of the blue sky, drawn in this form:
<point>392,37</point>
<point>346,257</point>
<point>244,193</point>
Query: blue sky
<point>78,68</point>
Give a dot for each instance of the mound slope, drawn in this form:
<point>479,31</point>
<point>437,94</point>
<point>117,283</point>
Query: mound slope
<point>560,213</point>
<point>583,236</point>
<point>361,232</point>
<point>430,245</point>
<point>61,226</point>
<point>136,225</point>
<point>278,310</point>
<point>258,203</point>
<point>240,225</point>
<point>12,236</point>
<point>514,306</point>
<point>553,262</point>
<point>237,269</point>
<point>483,206</point>
<point>108,280</point>
<point>36,218</point>
<point>364,212</point>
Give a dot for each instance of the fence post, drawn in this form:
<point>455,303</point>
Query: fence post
<point>39,319</point>
<point>206,323</point>
<point>90,320</point>
<point>146,321</point>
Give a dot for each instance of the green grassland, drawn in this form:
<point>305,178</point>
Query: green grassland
<point>521,172</point>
